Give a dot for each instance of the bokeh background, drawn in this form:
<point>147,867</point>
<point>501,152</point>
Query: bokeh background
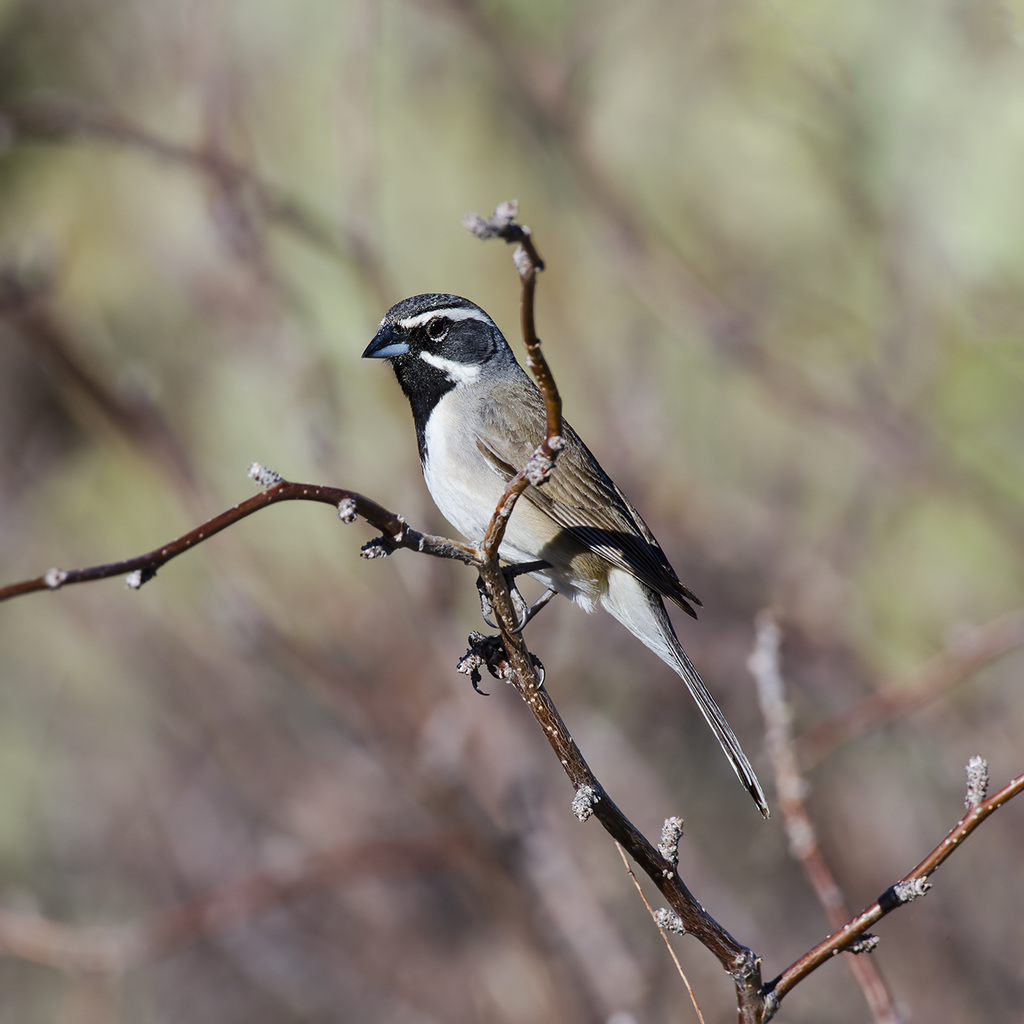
<point>785,304</point>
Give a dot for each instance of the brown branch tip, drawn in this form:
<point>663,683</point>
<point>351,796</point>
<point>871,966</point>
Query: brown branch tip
<point>502,224</point>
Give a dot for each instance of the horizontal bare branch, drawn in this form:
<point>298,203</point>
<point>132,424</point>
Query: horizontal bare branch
<point>396,533</point>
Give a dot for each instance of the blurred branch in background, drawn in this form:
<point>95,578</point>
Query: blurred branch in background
<point>27,306</point>
<point>62,118</point>
<point>970,650</point>
<point>764,665</point>
<point>115,949</point>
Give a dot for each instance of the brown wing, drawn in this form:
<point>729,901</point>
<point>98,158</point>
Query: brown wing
<point>580,496</point>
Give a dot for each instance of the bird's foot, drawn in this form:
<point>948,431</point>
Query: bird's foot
<point>489,652</point>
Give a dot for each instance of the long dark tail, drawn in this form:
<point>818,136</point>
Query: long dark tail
<point>643,613</point>
<point>713,716</point>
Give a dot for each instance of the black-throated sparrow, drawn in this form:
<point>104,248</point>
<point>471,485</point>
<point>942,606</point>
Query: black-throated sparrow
<point>478,419</point>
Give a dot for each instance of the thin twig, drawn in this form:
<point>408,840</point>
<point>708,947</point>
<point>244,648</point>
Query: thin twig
<point>800,831</point>
<point>502,224</point>
<point>396,534</point>
<point>913,884</point>
<point>663,932</point>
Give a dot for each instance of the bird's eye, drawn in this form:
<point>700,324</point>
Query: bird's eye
<point>438,328</point>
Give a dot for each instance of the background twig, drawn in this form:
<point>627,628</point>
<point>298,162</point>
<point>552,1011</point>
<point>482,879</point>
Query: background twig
<point>970,650</point>
<point>764,664</point>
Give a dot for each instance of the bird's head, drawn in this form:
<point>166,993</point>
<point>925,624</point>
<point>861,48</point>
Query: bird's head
<point>438,342</point>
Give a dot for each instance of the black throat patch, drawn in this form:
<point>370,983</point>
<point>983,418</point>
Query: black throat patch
<point>424,386</point>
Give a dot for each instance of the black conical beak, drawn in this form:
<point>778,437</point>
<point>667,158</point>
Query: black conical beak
<point>387,343</point>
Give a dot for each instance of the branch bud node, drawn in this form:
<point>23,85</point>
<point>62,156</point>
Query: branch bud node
<point>347,510</point>
<point>669,921</point>
<point>909,890</point>
<point>583,802</point>
<point>865,944</point>
<point>55,578</point>
<point>264,477</point>
<point>671,833</point>
<point>379,547</point>
<point>134,580</point>
<point>977,781</point>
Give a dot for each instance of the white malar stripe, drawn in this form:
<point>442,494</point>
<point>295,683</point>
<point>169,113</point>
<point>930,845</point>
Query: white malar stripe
<point>461,373</point>
<point>454,313</point>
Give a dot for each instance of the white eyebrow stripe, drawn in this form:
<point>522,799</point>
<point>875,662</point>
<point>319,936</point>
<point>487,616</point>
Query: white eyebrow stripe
<point>460,373</point>
<point>452,313</point>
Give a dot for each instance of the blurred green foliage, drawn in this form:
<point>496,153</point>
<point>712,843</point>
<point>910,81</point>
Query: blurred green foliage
<point>785,304</point>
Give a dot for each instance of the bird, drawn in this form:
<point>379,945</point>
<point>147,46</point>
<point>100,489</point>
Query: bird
<point>478,418</point>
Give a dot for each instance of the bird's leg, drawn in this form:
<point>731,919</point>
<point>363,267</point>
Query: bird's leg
<point>536,607</point>
<point>524,612</point>
<point>519,570</point>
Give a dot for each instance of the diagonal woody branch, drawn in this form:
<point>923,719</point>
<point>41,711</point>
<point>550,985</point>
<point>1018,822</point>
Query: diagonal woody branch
<point>513,662</point>
<point>914,883</point>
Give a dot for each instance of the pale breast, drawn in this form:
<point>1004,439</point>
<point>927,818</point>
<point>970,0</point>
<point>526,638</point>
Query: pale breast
<point>466,488</point>
<point>460,481</point>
